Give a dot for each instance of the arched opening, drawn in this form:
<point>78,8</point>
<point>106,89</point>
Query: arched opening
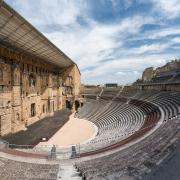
<point>76,105</point>
<point>68,104</point>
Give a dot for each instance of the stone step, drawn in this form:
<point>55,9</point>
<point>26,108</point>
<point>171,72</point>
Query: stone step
<point>68,172</point>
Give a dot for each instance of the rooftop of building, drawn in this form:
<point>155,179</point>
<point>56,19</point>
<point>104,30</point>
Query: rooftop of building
<point>19,35</point>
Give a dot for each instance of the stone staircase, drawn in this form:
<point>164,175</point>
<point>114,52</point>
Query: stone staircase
<point>98,96</point>
<point>68,172</point>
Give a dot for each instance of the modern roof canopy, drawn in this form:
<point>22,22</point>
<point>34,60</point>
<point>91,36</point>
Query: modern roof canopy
<point>20,35</point>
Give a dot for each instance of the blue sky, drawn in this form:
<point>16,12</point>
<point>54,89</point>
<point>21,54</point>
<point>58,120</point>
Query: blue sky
<point>110,40</point>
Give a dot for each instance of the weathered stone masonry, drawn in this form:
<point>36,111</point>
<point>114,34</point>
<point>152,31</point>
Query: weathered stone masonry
<point>31,89</point>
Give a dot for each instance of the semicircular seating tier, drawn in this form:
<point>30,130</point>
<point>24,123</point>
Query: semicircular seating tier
<point>119,119</point>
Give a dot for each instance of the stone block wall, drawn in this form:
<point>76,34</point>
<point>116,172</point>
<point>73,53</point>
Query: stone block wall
<point>31,90</point>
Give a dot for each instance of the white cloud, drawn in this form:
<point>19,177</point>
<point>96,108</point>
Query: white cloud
<point>150,48</point>
<point>126,4</point>
<point>154,48</point>
<point>121,73</point>
<point>92,46</point>
<point>41,12</point>
<point>89,45</point>
<point>162,32</point>
<point>169,8</point>
<point>124,70</point>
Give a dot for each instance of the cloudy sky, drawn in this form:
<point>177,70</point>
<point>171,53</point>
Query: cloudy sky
<point>110,40</point>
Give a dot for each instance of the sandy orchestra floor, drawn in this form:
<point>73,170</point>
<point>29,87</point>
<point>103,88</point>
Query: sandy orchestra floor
<point>74,131</point>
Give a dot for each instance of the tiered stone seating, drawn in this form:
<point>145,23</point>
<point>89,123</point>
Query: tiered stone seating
<point>116,119</point>
<point>109,93</point>
<point>15,170</point>
<point>176,79</point>
<point>161,79</point>
<point>135,161</point>
<point>91,93</point>
<point>91,108</point>
<point>124,121</point>
<point>116,124</point>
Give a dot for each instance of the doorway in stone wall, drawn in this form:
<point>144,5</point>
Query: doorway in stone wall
<point>76,105</point>
<point>33,109</point>
<point>68,104</point>
<point>43,108</point>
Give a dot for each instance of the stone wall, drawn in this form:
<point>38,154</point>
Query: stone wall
<point>148,74</point>
<point>31,90</point>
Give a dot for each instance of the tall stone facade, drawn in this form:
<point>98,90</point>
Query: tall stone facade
<point>31,89</point>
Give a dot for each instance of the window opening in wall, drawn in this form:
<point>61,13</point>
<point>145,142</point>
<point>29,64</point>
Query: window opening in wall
<point>43,108</point>
<point>68,104</point>
<point>33,109</point>
<point>53,106</point>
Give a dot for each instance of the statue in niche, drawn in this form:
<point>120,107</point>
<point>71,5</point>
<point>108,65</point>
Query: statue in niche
<point>32,81</point>
<point>17,117</point>
<point>16,76</point>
